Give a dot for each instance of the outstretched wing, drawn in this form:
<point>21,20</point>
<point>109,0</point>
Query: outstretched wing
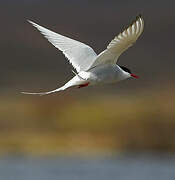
<point>79,54</point>
<point>121,43</point>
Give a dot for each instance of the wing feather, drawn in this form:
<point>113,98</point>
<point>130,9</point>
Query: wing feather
<point>121,43</point>
<point>80,55</point>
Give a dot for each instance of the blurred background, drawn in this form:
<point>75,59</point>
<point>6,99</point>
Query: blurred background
<point>123,131</point>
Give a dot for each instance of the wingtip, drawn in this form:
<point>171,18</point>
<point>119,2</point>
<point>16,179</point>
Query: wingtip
<point>139,16</point>
<point>29,21</point>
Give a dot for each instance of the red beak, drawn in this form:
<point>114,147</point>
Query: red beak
<point>135,76</point>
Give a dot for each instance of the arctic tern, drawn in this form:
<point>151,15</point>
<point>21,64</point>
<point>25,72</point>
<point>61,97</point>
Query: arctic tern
<point>92,69</point>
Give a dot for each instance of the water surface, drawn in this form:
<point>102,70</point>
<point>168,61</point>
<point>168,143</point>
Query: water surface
<point>126,167</point>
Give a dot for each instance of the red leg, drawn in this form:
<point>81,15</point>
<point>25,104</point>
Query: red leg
<point>83,85</point>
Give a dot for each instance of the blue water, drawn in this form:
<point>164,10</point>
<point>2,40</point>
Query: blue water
<point>126,167</point>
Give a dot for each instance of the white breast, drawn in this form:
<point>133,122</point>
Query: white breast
<point>108,73</point>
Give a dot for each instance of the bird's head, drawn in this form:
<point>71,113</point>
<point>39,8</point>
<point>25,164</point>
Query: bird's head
<point>129,72</point>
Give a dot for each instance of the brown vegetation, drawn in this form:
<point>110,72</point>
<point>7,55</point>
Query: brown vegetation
<point>50,125</point>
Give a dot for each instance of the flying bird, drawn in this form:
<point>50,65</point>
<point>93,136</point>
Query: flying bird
<point>93,69</point>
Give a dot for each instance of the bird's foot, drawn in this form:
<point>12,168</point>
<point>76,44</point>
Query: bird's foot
<point>83,85</point>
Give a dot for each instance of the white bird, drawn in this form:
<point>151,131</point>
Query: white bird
<point>91,68</point>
